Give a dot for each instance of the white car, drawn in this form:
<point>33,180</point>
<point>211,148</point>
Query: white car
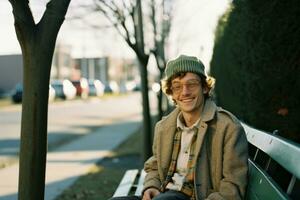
<point>51,93</point>
<point>96,88</point>
<point>64,89</point>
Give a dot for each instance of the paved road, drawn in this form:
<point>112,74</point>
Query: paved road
<point>67,120</point>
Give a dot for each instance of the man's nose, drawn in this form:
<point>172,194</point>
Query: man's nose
<point>185,89</point>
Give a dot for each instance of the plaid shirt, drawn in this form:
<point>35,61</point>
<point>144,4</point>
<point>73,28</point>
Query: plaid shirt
<point>187,187</point>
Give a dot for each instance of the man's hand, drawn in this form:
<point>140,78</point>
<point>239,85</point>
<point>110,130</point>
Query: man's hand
<point>150,193</point>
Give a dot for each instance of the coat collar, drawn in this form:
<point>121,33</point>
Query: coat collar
<point>209,110</point>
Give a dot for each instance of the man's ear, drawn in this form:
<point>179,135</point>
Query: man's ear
<point>205,90</point>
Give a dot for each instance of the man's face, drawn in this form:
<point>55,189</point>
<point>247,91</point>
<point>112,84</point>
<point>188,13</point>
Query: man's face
<point>188,93</point>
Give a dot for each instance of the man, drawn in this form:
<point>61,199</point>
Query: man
<point>199,149</point>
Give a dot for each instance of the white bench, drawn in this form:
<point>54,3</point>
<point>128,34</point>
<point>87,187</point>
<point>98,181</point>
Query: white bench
<point>131,183</point>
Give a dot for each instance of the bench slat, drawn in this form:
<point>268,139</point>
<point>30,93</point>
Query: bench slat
<point>285,152</point>
<point>139,188</point>
<point>261,186</point>
<point>126,183</point>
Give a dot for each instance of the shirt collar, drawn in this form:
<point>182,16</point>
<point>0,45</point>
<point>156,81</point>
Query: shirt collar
<point>181,125</point>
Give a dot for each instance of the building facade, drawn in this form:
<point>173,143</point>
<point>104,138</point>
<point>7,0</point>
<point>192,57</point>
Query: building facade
<point>11,72</point>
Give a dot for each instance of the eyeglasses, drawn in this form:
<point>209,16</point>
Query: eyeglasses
<point>190,85</point>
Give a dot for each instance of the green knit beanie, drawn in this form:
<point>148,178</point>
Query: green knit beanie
<point>184,63</point>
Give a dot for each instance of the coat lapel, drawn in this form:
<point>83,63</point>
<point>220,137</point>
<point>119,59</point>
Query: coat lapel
<point>207,115</point>
<point>202,180</point>
<point>166,140</point>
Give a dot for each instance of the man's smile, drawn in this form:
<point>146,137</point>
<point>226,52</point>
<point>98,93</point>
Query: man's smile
<point>187,100</point>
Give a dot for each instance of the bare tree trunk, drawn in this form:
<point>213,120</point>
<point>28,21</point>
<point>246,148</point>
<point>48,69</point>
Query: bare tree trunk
<point>160,99</point>
<point>37,42</point>
<point>143,58</point>
<point>127,18</point>
<point>33,147</point>
<point>147,125</point>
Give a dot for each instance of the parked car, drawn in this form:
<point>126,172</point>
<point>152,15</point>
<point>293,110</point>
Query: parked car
<point>82,87</point>
<point>137,87</point>
<point>1,93</point>
<point>51,93</point>
<point>18,92</point>
<point>133,86</point>
<point>96,88</point>
<point>122,88</point>
<point>64,89</point>
<point>107,89</point>
<point>114,86</point>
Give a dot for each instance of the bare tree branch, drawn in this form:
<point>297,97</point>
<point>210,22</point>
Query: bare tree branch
<point>115,24</point>
<point>24,21</point>
<point>154,24</point>
<point>52,20</point>
<point>117,20</point>
<point>22,12</point>
<point>124,4</point>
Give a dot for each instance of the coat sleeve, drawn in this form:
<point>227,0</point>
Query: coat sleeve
<point>152,179</point>
<point>235,165</point>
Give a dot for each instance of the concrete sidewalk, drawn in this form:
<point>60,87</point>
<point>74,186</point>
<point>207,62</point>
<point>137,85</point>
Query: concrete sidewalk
<point>67,163</point>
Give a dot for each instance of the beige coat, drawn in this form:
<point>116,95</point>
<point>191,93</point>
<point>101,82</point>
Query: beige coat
<point>221,150</point>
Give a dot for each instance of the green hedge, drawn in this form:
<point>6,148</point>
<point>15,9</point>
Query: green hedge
<point>256,62</point>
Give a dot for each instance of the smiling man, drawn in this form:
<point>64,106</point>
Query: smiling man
<point>200,150</point>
